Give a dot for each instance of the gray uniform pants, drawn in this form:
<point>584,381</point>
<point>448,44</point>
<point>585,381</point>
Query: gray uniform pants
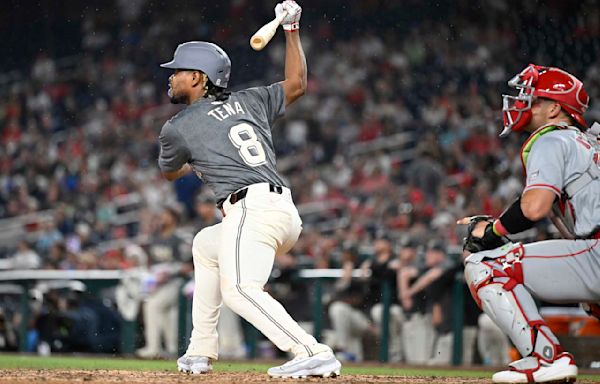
<point>563,271</point>
<point>558,271</point>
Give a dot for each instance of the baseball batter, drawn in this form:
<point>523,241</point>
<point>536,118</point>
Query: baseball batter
<point>226,139</point>
<point>560,159</point>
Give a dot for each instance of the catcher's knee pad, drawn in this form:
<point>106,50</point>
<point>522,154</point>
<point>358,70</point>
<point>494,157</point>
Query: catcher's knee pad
<point>498,265</point>
<point>477,274</point>
<point>496,284</point>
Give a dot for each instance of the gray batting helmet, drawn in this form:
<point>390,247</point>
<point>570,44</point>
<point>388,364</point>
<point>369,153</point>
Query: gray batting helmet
<point>202,56</point>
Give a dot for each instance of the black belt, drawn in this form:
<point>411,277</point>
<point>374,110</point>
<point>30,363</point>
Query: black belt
<point>239,195</point>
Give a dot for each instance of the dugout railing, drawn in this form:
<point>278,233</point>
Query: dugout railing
<point>95,280</point>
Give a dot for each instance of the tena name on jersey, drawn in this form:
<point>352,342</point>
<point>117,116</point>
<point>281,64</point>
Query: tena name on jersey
<point>226,110</point>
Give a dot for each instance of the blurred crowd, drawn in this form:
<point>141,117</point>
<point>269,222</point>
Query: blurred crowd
<point>396,138</point>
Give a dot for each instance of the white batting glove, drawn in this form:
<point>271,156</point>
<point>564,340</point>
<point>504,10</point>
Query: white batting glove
<point>291,22</point>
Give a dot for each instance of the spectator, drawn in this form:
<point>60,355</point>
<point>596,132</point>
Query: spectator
<point>49,237</point>
<point>167,264</point>
<point>67,321</point>
<point>348,320</point>
<point>384,268</point>
<point>414,280</point>
<point>441,293</point>
<point>492,343</point>
<point>24,258</point>
<point>8,334</point>
<point>206,211</point>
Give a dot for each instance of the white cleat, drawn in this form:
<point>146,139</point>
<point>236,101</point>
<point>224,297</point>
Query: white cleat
<point>194,364</point>
<point>561,370</point>
<point>322,364</point>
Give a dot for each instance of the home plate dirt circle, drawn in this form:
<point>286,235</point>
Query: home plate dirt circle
<point>57,376</point>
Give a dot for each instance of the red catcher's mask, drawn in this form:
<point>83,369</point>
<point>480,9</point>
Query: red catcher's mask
<point>548,83</point>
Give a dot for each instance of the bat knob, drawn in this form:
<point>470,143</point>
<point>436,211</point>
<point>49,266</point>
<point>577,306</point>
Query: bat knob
<point>257,43</point>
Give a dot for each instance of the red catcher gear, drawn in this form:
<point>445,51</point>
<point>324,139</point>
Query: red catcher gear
<point>548,83</point>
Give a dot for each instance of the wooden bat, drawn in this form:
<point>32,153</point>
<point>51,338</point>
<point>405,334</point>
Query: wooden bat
<point>262,37</point>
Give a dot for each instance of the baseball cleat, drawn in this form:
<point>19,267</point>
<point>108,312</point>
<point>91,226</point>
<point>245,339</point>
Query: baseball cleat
<point>194,364</point>
<point>322,365</point>
<point>532,370</point>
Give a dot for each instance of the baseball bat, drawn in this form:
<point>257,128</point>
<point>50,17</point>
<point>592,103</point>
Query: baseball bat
<point>262,37</point>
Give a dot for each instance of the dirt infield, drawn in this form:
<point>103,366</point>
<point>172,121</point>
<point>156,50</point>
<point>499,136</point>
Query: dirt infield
<point>20,376</point>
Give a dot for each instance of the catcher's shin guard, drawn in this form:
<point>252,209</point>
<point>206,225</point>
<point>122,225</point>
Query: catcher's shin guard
<point>495,279</point>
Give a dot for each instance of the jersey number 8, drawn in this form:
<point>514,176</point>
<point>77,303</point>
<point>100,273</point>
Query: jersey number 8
<point>244,138</point>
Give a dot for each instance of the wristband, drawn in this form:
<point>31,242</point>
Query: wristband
<point>490,235</point>
<point>499,229</point>
<point>513,220</point>
<point>291,27</point>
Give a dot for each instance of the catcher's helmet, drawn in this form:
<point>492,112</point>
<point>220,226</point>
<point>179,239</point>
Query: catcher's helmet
<point>545,82</point>
<point>202,56</point>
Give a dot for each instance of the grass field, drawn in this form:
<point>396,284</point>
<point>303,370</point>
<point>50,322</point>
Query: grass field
<point>17,364</point>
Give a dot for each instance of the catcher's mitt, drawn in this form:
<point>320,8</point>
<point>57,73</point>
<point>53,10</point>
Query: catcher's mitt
<point>489,240</point>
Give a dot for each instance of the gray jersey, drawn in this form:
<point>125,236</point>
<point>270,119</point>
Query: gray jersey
<point>556,159</point>
<point>228,143</point>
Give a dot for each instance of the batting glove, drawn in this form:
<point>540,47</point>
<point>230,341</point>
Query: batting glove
<point>291,22</point>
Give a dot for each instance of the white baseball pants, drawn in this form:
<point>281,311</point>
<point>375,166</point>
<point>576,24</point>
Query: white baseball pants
<point>233,261</point>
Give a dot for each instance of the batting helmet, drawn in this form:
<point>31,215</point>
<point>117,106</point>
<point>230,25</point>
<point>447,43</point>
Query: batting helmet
<point>548,83</point>
<point>203,56</point>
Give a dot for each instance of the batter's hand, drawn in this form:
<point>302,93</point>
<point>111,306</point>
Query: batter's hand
<point>292,21</point>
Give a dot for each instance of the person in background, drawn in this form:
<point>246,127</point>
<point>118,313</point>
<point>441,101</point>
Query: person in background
<point>24,258</point>
<point>346,311</point>
<point>441,297</point>
<point>492,344</point>
<point>384,268</point>
<point>206,211</point>
<point>414,281</point>
<point>168,265</point>
<point>8,333</point>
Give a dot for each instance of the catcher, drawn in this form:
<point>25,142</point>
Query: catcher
<point>560,159</point>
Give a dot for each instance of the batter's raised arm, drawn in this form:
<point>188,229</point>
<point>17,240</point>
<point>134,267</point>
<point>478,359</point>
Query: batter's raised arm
<point>294,84</point>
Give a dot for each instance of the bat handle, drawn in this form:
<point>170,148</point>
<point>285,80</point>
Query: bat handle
<point>281,16</point>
